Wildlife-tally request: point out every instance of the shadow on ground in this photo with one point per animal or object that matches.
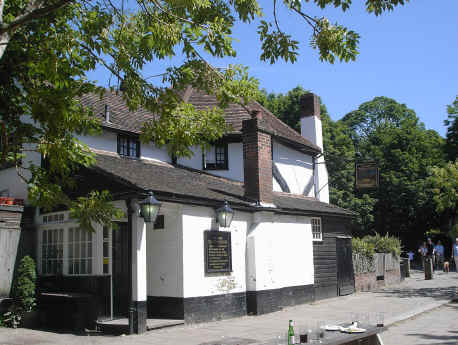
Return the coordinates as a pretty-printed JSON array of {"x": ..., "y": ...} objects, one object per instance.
[
  {"x": 449, "y": 339},
  {"x": 436, "y": 293}
]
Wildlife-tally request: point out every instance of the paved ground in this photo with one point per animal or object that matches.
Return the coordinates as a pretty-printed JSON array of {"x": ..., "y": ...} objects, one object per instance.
[
  {"x": 438, "y": 326},
  {"x": 413, "y": 296}
]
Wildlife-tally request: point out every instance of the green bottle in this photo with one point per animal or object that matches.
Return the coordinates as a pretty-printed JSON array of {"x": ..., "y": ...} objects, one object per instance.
[{"x": 291, "y": 340}]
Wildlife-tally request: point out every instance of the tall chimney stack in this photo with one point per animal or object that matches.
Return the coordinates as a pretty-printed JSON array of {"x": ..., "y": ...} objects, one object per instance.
[
  {"x": 310, "y": 119},
  {"x": 257, "y": 159},
  {"x": 311, "y": 129}
]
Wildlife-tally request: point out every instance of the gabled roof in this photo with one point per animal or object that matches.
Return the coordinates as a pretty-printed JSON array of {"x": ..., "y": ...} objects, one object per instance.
[
  {"x": 124, "y": 120},
  {"x": 178, "y": 184}
]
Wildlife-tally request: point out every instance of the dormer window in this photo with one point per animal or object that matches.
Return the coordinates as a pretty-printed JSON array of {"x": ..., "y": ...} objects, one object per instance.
[
  {"x": 128, "y": 146},
  {"x": 216, "y": 157}
]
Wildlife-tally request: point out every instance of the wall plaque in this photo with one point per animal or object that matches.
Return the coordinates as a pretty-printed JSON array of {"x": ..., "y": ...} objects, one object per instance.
[{"x": 218, "y": 254}]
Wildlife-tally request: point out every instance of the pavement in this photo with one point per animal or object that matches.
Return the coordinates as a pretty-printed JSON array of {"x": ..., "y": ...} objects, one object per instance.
[
  {"x": 414, "y": 296},
  {"x": 418, "y": 330}
]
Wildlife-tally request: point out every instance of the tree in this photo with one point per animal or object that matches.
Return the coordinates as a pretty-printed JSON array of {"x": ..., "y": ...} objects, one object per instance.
[
  {"x": 443, "y": 184},
  {"x": 451, "y": 146},
  {"x": 390, "y": 134},
  {"x": 48, "y": 46},
  {"x": 339, "y": 154},
  {"x": 285, "y": 107}
]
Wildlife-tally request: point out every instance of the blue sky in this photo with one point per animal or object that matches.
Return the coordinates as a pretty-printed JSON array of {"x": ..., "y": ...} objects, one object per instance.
[{"x": 410, "y": 54}]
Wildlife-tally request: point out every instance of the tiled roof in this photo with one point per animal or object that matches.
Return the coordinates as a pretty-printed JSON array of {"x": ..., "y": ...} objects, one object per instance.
[
  {"x": 189, "y": 185},
  {"x": 120, "y": 116},
  {"x": 123, "y": 119}
]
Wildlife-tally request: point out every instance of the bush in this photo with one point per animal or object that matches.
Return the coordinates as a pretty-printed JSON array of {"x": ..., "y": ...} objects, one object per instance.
[
  {"x": 362, "y": 247},
  {"x": 384, "y": 244},
  {"x": 23, "y": 293},
  {"x": 368, "y": 245}
]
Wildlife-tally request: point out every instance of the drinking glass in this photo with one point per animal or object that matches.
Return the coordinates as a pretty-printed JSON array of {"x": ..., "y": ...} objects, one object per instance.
[
  {"x": 379, "y": 319},
  {"x": 305, "y": 334},
  {"x": 321, "y": 329},
  {"x": 281, "y": 338}
]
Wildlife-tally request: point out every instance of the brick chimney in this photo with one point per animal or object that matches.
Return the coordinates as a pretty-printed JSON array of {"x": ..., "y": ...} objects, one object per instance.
[
  {"x": 257, "y": 158},
  {"x": 310, "y": 119}
]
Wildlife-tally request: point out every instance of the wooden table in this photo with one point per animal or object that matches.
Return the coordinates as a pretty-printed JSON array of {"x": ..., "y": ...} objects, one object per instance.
[{"x": 370, "y": 337}]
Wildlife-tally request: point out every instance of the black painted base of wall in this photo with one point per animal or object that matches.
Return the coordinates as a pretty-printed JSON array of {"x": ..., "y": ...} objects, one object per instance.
[
  {"x": 165, "y": 307},
  {"x": 325, "y": 291},
  {"x": 198, "y": 309},
  {"x": 267, "y": 301},
  {"x": 138, "y": 314}
]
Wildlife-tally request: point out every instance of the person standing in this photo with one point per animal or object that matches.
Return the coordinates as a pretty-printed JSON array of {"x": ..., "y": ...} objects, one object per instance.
[
  {"x": 439, "y": 254},
  {"x": 430, "y": 251},
  {"x": 455, "y": 253},
  {"x": 422, "y": 251}
]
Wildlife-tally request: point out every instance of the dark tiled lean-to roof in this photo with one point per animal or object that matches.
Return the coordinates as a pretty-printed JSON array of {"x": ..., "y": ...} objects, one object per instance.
[{"x": 169, "y": 181}]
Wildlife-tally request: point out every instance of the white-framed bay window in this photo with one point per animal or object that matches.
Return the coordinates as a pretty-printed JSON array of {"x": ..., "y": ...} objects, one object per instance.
[
  {"x": 317, "y": 231},
  {"x": 64, "y": 248},
  {"x": 79, "y": 254}
]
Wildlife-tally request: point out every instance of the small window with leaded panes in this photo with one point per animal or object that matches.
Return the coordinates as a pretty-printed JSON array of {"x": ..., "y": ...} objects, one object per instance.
[
  {"x": 79, "y": 251},
  {"x": 216, "y": 157},
  {"x": 128, "y": 146},
  {"x": 52, "y": 251},
  {"x": 317, "y": 233}
]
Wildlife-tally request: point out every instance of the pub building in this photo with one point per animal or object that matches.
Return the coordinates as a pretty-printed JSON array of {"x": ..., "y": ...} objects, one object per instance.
[{"x": 244, "y": 228}]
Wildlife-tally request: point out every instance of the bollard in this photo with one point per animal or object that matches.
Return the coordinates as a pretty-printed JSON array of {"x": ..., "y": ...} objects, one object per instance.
[{"x": 428, "y": 268}]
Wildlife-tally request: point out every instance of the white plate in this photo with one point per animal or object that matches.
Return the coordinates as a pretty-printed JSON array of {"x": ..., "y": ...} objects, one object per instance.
[
  {"x": 332, "y": 328},
  {"x": 353, "y": 330}
]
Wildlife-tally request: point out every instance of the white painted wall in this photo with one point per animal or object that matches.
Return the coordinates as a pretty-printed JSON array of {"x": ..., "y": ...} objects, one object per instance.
[
  {"x": 279, "y": 252},
  {"x": 195, "y": 161},
  {"x": 322, "y": 180},
  {"x": 235, "y": 158},
  {"x": 295, "y": 167},
  {"x": 311, "y": 129},
  {"x": 139, "y": 257},
  {"x": 196, "y": 220},
  {"x": 165, "y": 254},
  {"x": 107, "y": 141},
  {"x": 235, "y": 172},
  {"x": 152, "y": 152}
]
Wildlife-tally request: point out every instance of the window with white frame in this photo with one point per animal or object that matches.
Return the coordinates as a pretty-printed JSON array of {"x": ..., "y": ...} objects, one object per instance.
[
  {"x": 64, "y": 247},
  {"x": 317, "y": 233},
  {"x": 79, "y": 251},
  {"x": 52, "y": 251}
]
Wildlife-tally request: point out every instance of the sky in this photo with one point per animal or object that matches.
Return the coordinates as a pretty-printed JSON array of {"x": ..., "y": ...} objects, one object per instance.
[{"x": 410, "y": 55}]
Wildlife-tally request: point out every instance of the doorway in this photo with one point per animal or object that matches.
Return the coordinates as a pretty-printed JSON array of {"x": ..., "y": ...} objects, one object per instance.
[
  {"x": 345, "y": 274},
  {"x": 120, "y": 268}
]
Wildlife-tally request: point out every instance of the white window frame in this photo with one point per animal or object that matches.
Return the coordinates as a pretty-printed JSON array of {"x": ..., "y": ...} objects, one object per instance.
[
  {"x": 316, "y": 224},
  {"x": 64, "y": 222}
]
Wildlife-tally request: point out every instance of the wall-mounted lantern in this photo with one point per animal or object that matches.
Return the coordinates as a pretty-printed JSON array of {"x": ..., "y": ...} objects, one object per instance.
[
  {"x": 224, "y": 215},
  {"x": 149, "y": 208}
]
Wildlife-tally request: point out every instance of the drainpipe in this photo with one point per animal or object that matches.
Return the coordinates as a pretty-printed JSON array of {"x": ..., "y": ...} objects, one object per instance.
[{"x": 315, "y": 187}]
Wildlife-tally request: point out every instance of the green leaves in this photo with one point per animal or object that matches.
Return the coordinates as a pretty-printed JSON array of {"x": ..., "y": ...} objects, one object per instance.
[
  {"x": 334, "y": 41},
  {"x": 44, "y": 65},
  {"x": 276, "y": 44},
  {"x": 94, "y": 208},
  {"x": 451, "y": 122}
]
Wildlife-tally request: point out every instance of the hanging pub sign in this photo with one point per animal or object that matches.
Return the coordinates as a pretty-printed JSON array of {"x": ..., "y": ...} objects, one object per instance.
[
  {"x": 367, "y": 176},
  {"x": 218, "y": 255}
]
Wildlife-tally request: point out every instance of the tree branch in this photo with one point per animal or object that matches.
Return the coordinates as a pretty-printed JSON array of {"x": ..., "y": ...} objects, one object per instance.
[{"x": 33, "y": 11}]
